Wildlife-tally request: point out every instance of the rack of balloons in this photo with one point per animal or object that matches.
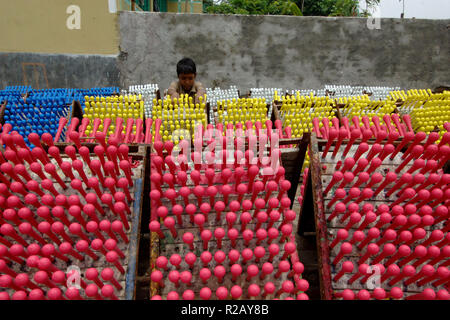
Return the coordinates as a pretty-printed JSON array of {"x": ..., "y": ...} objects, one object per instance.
[
  {"x": 39, "y": 110},
  {"x": 75, "y": 164}
]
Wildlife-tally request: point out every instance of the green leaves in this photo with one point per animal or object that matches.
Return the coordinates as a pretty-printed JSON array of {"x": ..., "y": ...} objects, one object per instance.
[
  {"x": 290, "y": 7},
  {"x": 284, "y": 8},
  {"x": 345, "y": 8},
  {"x": 334, "y": 7},
  {"x": 254, "y": 7}
]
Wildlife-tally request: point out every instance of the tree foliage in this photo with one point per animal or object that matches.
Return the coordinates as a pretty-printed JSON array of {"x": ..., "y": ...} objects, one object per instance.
[
  {"x": 335, "y": 7},
  {"x": 289, "y": 7},
  {"x": 259, "y": 7}
]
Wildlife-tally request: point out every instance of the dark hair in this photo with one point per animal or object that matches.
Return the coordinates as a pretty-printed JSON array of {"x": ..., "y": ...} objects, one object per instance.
[{"x": 186, "y": 66}]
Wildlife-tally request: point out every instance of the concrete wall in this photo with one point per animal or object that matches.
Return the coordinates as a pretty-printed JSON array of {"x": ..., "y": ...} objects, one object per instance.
[
  {"x": 247, "y": 51},
  {"x": 58, "y": 71},
  {"x": 37, "y": 48},
  {"x": 288, "y": 52},
  {"x": 40, "y": 26}
]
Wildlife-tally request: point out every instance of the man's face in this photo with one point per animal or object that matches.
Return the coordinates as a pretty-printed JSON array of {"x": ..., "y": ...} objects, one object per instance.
[{"x": 187, "y": 80}]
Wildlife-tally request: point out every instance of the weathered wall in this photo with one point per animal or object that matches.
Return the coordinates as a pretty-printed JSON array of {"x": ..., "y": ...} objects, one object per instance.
[
  {"x": 37, "y": 48},
  {"x": 41, "y": 27},
  {"x": 248, "y": 51},
  {"x": 58, "y": 71},
  {"x": 288, "y": 52}
]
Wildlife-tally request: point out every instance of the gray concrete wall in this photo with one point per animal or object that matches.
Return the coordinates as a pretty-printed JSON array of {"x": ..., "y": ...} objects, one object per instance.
[
  {"x": 250, "y": 51},
  {"x": 58, "y": 70},
  {"x": 288, "y": 52}
]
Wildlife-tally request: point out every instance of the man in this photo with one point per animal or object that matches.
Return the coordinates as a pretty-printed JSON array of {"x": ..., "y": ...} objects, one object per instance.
[{"x": 186, "y": 84}]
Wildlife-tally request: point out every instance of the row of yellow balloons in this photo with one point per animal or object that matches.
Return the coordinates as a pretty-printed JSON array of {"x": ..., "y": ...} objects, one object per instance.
[
  {"x": 125, "y": 107},
  {"x": 180, "y": 116}
]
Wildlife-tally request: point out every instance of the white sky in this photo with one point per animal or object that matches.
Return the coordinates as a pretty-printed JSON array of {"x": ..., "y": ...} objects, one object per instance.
[{"x": 420, "y": 9}]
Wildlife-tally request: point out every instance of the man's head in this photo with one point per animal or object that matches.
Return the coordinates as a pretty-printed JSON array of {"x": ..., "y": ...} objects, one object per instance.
[{"x": 187, "y": 72}]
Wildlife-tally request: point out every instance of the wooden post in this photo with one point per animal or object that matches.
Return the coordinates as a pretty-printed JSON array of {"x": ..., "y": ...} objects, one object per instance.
[
  {"x": 298, "y": 164},
  {"x": 321, "y": 223},
  {"x": 133, "y": 5},
  {"x": 2, "y": 112},
  {"x": 208, "y": 110},
  {"x": 306, "y": 222}
]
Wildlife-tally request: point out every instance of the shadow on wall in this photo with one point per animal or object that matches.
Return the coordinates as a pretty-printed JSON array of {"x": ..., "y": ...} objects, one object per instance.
[
  {"x": 35, "y": 75},
  {"x": 58, "y": 71}
]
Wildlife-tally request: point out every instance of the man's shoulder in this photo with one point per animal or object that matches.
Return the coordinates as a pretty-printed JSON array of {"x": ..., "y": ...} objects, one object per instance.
[{"x": 174, "y": 84}]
